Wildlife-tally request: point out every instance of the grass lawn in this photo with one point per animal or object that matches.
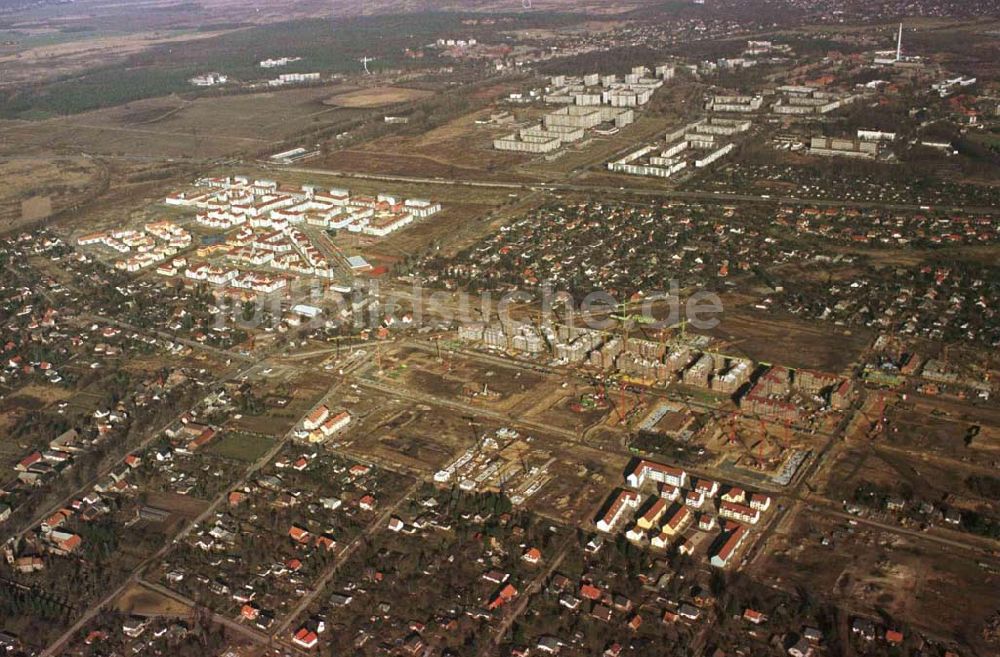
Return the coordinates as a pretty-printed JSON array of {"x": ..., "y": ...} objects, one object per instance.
[{"x": 239, "y": 446}]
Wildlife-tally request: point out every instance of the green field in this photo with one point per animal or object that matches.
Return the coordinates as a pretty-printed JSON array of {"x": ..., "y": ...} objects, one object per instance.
[{"x": 239, "y": 446}]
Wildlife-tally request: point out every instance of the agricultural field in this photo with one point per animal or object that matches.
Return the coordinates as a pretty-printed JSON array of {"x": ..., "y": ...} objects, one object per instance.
[
  {"x": 36, "y": 54},
  {"x": 574, "y": 405},
  {"x": 421, "y": 414},
  {"x": 36, "y": 187},
  {"x": 945, "y": 428},
  {"x": 182, "y": 508},
  {"x": 301, "y": 390},
  {"x": 582, "y": 478},
  {"x": 870, "y": 477},
  {"x": 144, "y": 65},
  {"x": 458, "y": 224}
]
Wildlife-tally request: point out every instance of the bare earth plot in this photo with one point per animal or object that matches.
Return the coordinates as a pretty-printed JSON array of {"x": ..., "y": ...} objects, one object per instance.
[
  {"x": 35, "y": 187},
  {"x": 61, "y": 58},
  {"x": 377, "y": 97},
  {"x": 141, "y": 601},
  {"x": 792, "y": 342},
  {"x": 868, "y": 570},
  {"x": 461, "y": 149}
]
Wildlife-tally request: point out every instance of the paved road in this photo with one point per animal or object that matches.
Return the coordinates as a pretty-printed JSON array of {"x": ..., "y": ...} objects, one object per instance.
[
  {"x": 377, "y": 525},
  {"x": 321, "y": 240},
  {"x": 347, "y": 347},
  {"x": 525, "y": 597},
  {"x": 81, "y": 622},
  {"x": 828, "y": 508},
  {"x": 248, "y": 632},
  {"x": 94, "y": 609},
  {"x": 151, "y": 434},
  {"x": 791, "y": 493},
  {"x": 678, "y": 194},
  {"x": 170, "y": 337}
]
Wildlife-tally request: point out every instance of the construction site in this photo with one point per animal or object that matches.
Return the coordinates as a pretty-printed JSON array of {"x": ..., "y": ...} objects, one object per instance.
[
  {"x": 499, "y": 463},
  {"x": 678, "y": 394},
  {"x": 763, "y": 451}
]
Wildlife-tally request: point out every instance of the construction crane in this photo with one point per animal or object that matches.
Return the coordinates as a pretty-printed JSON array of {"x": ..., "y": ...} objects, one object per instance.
[
  {"x": 767, "y": 434},
  {"x": 736, "y": 439},
  {"x": 683, "y": 327},
  {"x": 662, "y": 349},
  {"x": 608, "y": 396},
  {"x": 621, "y": 408},
  {"x": 729, "y": 357}
]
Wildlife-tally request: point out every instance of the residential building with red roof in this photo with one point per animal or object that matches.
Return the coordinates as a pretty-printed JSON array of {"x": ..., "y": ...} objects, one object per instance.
[
  {"x": 656, "y": 472},
  {"x": 624, "y": 501},
  {"x": 305, "y": 638}
]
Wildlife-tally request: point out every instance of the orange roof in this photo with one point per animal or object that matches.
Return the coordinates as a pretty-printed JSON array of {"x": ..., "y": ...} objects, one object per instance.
[
  {"x": 95, "y": 635},
  {"x": 680, "y": 516},
  {"x": 203, "y": 438},
  {"x": 305, "y": 637},
  {"x": 71, "y": 543},
  {"x": 731, "y": 543},
  {"x": 57, "y": 518},
  {"x": 318, "y": 414}
]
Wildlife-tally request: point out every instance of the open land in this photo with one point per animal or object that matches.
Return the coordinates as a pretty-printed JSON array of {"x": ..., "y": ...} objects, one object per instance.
[{"x": 258, "y": 396}]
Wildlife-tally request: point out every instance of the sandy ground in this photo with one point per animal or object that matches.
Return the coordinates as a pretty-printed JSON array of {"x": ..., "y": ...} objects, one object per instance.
[{"x": 377, "y": 97}]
